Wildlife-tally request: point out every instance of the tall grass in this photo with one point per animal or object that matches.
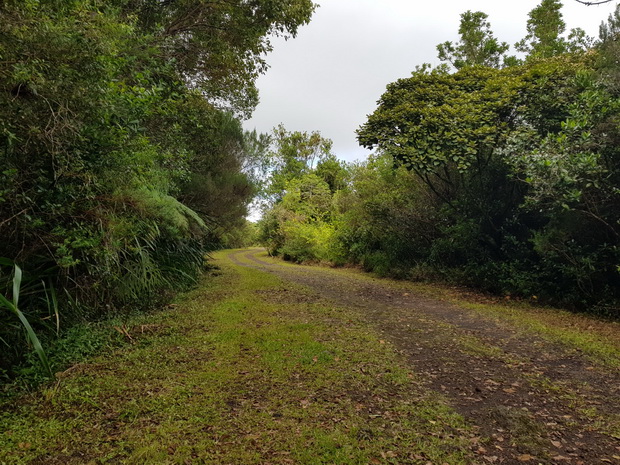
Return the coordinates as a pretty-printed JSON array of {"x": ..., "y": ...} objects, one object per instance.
[{"x": 13, "y": 307}]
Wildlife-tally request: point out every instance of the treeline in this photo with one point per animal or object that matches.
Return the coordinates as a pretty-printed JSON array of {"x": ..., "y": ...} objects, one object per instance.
[
  {"x": 122, "y": 155},
  {"x": 492, "y": 170}
]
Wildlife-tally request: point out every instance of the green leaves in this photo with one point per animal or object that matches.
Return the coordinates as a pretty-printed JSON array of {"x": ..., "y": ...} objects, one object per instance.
[
  {"x": 122, "y": 151},
  {"x": 13, "y": 307},
  {"x": 477, "y": 46},
  {"x": 294, "y": 155},
  {"x": 220, "y": 46},
  {"x": 434, "y": 121}
]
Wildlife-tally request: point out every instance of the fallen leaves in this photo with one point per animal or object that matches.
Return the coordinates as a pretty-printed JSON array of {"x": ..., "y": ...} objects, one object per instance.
[{"x": 525, "y": 458}]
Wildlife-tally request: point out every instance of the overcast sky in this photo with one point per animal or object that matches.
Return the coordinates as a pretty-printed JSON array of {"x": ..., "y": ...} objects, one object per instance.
[{"x": 331, "y": 75}]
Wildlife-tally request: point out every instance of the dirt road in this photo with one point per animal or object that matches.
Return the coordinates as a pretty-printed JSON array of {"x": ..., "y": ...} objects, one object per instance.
[{"x": 534, "y": 400}]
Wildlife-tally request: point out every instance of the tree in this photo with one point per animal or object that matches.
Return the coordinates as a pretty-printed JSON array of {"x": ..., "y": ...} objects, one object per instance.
[
  {"x": 545, "y": 27},
  {"x": 609, "y": 50},
  {"x": 451, "y": 130},
  {"x": 294, "y": 154},
  {"x": 477, "y": 45},
  {"x": 298, "y": 217},
  {"x": 120, "y": 135},
  {"x": 448, "y": 127},
  {"x": 219, "y": 47},
  {"x": 333, "y": 171},
  {"x": 572, "y": 178}
]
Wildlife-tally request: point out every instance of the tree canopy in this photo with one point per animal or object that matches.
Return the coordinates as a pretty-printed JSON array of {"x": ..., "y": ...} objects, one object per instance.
[{"x": 500, "y": 173}]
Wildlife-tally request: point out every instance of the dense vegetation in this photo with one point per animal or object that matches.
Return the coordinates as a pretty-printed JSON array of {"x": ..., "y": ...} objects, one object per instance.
[
  {"x": 499, "y": 171},
  {"x": 123, "y": 161},
  {"x": 122, "y": 155}
]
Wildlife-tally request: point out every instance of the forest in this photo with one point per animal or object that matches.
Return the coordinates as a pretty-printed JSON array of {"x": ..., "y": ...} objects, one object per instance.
[
  {"x": 124, "y": 161},
  {"x": 493, "y": 170}
]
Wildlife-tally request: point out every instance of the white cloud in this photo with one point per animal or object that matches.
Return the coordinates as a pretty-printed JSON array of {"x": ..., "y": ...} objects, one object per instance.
[{"x": 330, "y": 77}]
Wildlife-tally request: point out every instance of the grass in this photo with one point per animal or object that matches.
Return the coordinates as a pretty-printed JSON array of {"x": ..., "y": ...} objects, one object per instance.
[
  {"x": 597, "y": 338},
  {"x": 241, "y": 370},
  {"x": 13, "y": 307}
]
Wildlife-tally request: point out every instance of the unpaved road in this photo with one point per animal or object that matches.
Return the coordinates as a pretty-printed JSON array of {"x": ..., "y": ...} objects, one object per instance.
[{"x": 532, "y": 400}]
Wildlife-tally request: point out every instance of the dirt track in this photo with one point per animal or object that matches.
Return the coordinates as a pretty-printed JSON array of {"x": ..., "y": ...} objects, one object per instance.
[{"x": 533, "y": 401}]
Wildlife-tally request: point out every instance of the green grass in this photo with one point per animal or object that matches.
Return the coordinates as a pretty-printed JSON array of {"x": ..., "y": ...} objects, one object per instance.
[
  {"x": 238, "y": 372},
  {"x": 593, "y": 337},
  {"x": 597, "y": 338}
]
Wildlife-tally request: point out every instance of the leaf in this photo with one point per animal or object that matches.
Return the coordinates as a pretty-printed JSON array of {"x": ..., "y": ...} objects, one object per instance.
[
  {"x": 12, "y": 306},
  {"x": 17, "y": 282}
]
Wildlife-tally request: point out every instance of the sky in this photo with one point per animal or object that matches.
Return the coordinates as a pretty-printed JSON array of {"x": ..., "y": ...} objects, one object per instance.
[{"x": 331, "y": 75}]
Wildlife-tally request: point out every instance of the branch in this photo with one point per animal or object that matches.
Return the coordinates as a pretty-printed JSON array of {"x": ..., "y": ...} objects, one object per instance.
[
  {"x": 14, "y": 216},
  {"x": 593, "y": 3}
]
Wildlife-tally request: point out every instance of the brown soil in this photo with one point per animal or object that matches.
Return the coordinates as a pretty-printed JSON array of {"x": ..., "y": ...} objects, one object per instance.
[{"x": 532, "y": 400}]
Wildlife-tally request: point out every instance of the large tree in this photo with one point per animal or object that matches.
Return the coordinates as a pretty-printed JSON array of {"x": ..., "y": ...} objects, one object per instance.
[
  {"x": 219, "y": 46},
  {"x": 119, "y": 120}
]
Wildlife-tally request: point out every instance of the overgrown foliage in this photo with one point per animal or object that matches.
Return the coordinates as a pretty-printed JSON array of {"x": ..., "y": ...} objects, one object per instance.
[
  {"x": 504, "y": 179},
  {"x": 122, "y": 156}
]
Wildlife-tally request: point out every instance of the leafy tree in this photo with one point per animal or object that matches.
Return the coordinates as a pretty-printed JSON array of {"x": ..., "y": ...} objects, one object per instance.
[
  {"x": 456, "y": 132},
  {"x": 333, "y": 171},
  {"x": 299, "y": 226},
  {"x": 477, "y": 46},
  {"x": 219, "y": 46},
  {"x": 504, "y": 179},
  {"x": 386, "y": 220},
  {"x": 609, "y": 50},
  {"x": 545, "y": 27},
  {"x": 447, "y": 126},
  {"x": 294, "y": 154},
  {"x": 298, "y": 223},
  {"x": 572, "y": 178}
]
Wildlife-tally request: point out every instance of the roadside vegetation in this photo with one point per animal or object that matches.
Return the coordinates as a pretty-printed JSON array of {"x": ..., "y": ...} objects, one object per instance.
[
  {"x": 589, "y": 335},
  {"x": 493, "y": 171},
  {"x": 122, "y": 155},
  {"x": 124, "y": 168}
]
